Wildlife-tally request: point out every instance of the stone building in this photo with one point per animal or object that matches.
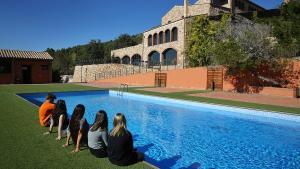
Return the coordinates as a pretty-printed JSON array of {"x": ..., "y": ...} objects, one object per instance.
[{"x": 165, "y": 44}]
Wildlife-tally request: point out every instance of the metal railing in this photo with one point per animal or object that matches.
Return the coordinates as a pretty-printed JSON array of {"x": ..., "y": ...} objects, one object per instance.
[
  {"x": 122, "y": 89},
  {"x": 143, "y": 67}
]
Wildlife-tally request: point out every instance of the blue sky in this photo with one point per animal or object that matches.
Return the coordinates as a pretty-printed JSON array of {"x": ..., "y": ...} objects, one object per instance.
[{"x": 39, "y": 24}]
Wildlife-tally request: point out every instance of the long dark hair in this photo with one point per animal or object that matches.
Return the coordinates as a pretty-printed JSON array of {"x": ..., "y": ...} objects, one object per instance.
[
  {"x": 74, "y": 125},
  {"x": 101, "y": 121},
  {"x": 60, "y": 109}
]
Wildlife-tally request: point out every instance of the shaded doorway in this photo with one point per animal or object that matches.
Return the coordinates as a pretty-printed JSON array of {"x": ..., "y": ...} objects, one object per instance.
[
  {"x": 154, "y": 59},
  {"x": 26, "y": 74},
  {"x": 170, "y": 57}
]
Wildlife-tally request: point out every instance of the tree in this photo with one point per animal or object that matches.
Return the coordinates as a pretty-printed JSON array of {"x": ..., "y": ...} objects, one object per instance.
[
  {"x": 93, "y": 52},
  {"x": 286, "y": 29},
  {"x": 126, "y": 40},
  {"x": 245, "y": 48}
]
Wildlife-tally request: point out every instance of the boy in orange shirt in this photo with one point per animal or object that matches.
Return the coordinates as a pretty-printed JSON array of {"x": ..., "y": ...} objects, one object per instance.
[{"x": 46, "y": 110}]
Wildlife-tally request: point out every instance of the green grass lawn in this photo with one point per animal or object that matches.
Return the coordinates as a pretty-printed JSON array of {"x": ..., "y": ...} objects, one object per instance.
[{"x": 22, "y": 144}]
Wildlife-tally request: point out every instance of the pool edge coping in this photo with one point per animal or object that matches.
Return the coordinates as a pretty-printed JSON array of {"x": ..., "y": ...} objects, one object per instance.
[
  {"x": 175, "y": 99},
  {"x": 270, "y": 112},
  {"x": 145, "y": 162}
]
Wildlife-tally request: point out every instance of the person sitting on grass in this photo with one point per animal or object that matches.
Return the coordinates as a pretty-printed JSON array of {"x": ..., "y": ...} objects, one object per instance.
[
  {"x": 78, "y": 128},
  {"x": 60, "y": 119},
  {"x": 98, "y": 134},
  {"x": 120, "y": 144},
  {"x": 46, "y": 110}
]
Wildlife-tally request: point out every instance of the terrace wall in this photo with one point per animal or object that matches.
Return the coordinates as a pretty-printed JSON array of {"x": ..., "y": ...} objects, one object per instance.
[{"x": 192, "y": 78}]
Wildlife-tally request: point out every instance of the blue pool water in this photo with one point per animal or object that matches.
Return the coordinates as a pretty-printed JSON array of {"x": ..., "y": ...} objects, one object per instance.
[{"x": 186, "y": 135}]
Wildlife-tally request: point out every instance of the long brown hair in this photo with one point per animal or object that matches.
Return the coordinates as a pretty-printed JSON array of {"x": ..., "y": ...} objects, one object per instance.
[
  {"x": 60, "y": 109},
  {"x": 119, "y": 125},
  {"x": 74, "y": 125},
  {"x": 101, "y": 121}
]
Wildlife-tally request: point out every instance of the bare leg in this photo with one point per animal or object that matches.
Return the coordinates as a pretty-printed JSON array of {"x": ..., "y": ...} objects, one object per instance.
[
  {"x": 51, "y": 126},
  {"x": 59, "y": 128},
  {"x": 68, "y": 139}
]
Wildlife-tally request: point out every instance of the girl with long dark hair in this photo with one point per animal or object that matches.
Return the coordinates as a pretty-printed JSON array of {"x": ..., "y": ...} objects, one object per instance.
[
  {"x": 59, "y": 118},
  {"x": 78, "y": 128},
  {"x": 98, "y": 134}
]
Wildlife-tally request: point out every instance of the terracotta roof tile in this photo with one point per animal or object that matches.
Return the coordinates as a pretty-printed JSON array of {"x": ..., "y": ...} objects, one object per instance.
[{"x": 24, "y": 54}]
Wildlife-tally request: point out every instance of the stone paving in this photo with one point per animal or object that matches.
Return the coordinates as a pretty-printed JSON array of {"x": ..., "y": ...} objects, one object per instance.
[
  {"x": 165, "y": 90},
  {"x": 253, "y": 98}
]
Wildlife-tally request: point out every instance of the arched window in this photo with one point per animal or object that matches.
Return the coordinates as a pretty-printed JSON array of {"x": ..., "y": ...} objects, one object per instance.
[
  {"x": 167, "y": 36},
  {"x": 126, "y": 60},
  {"x": 154, "y": 58},
  {"x": 150, "y": 40},
  {"x": 155, "y": 39},
  {"x": 136, "y": 59},
  {"x": 174, "y": 34},
  {"x": 170, "y": 57},
  {"x": 117, "y": 60},
  {"x": 161, "y": 37}
]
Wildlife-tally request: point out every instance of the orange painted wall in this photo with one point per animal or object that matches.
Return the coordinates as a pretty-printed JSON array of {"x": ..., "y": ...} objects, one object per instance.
[
  {"x": 273, "y": 91},
  {"x": 193, "y": 78},
  {"x": 297, "y": 69}
]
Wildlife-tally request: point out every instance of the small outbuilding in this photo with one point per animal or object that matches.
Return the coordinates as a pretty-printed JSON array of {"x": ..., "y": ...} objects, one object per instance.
[{"x": 25, "y": 67}]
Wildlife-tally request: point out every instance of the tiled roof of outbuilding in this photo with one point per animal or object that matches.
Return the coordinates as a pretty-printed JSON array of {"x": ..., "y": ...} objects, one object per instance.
[{"x": 24, "y": 54}]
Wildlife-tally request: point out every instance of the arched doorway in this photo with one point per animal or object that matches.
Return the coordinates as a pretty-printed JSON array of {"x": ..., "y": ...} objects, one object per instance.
[
  {"x": 161, "y": 37},
  {"x": 153, "y": 58},
  {"x": 167, "y": 36},
  {"x": 155, "y": 39},
  {"x": 126, "y": 60},
  {"x": 117, "y": 60},
  {"x": 174, "y": 34},
  {"x": 150, "y": 40},
  {"x": 170, "y": 57},
  {"x": 136, "y": 59}
]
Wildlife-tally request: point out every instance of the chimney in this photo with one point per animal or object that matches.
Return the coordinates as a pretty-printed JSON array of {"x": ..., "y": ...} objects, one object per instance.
[{"x": 186, "y": 8}]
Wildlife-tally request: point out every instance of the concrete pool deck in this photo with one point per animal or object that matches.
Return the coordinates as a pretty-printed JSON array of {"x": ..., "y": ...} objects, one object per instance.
[
  {"x": 252, "y": 98},
  {"x": 249, "y": 98}
]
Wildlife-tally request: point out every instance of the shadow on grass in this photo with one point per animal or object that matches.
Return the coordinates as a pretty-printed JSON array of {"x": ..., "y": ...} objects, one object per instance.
[{"x": 166, "y": 163}]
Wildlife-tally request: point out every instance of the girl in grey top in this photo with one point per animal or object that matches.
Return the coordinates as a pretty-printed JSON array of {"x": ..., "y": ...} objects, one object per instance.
[{"x": 97, "y": 135}]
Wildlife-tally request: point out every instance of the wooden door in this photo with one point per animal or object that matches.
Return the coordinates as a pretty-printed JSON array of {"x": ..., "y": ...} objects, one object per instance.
[
  {"x": 215, "y": 78},
  {"x": 160, "y": 79}
]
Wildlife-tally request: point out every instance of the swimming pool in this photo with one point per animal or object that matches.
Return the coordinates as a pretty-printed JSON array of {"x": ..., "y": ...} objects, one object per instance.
[{"x": 182, "y": 134}]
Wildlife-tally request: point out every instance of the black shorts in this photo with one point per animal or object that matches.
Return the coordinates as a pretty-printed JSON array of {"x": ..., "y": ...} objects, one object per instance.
[{"x": 99, "y": 153}]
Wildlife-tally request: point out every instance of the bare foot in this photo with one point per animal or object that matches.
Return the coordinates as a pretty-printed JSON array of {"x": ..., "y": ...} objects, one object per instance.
[
  {"x": 75, "y": 151},
  {"x": 65, "y": 145},
  {"x": 46, "y": 133},
  {"x": 58, "y": 138}
]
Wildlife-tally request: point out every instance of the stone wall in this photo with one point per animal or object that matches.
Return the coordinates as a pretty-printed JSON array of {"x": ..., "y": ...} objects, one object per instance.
[
  {"x": 129, "y": 51},
  {"x": 88, "y": 73},
  {"x": 175, "y": 14},
  {"x": 160, "y": 48},
  {"x": 196, "y": 9}
]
